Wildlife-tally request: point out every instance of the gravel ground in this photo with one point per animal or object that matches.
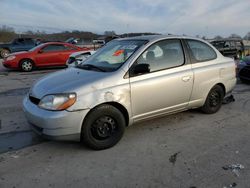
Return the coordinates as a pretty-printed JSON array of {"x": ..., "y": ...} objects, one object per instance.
[{"x": 188, "y": 149}]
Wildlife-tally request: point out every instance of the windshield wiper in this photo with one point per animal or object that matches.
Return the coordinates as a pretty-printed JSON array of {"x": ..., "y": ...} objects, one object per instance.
[{"x": 89, "y": 67}]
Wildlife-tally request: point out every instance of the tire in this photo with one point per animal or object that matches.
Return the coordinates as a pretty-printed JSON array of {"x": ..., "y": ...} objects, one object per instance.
[
  {"x": 103, "y": 127},
  {"x": 4, "y": 52},
  {"x": 214, "y": 100},
  {"x": 26, "y": 65}
]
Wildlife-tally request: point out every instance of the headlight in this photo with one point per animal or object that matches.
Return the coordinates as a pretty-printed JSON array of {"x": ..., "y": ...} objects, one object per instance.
[
  {"x": 10, "y": 58},
  {"x": 57, "y": 102}
]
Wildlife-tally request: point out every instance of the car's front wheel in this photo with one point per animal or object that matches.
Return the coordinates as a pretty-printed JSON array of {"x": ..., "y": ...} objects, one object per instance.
[
  {"x": 214, "y": 100},
  {"x": 26, "y": 65},
  {"x": 103, "y": 127},
  {"x": 4, "y": 52}
]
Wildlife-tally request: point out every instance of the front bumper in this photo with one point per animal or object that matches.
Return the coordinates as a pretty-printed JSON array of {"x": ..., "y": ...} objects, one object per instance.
[
  {"x": 54, "y": 125},
  {"x": 10, "y": 64}
]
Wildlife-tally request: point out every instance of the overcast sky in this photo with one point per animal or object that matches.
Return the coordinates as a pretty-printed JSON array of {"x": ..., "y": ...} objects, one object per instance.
[{"x": 191, "y": 17}]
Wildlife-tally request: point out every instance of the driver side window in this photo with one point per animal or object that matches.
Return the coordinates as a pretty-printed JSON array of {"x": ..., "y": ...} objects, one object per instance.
[{"x": 163, "y": 55}]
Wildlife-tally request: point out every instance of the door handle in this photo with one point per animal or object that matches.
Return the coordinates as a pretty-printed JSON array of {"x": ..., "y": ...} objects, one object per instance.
[{"x": 186, "y": 78}]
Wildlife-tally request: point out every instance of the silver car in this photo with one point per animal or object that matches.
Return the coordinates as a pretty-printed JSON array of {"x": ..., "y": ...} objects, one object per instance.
[{"x": 127, "y": 81}]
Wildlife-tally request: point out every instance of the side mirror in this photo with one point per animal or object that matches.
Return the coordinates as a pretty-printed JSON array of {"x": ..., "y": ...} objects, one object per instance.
[
  {"x": 140, "y": 69},
  {"x": 40, "y": 51}
]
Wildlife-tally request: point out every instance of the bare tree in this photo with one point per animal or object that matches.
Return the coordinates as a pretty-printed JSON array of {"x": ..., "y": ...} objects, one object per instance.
[
  {"x": 247, "y": 36},
  {"x": 235, "y": 36},
  {"x": 7, "y": 33},
  {"x": 109, "y": 33},
  {"x": 218, "y": 37}
]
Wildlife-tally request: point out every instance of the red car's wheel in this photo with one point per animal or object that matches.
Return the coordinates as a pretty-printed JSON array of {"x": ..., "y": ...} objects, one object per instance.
[{"x": 26, "y": 65}]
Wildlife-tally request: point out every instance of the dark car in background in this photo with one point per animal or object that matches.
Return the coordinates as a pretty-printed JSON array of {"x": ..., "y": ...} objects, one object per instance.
[
  {"x": 244, "y": 69},
  {"x": 17, "y": 45},
  {"x": 230, "y": 47}
]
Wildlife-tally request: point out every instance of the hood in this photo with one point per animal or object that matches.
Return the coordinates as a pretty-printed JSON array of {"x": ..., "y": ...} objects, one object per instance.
[
  {"x": 82, "y": 52},
  {"x": 5, "y": 45},
  {"x": 20, "y": 53},
  {"x": 77, "y": 53},
  {"x": 67, "y": 80}
]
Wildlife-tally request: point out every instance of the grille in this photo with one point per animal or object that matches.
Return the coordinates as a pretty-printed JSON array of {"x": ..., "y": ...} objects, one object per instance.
[{"x": 34, "y": 100}]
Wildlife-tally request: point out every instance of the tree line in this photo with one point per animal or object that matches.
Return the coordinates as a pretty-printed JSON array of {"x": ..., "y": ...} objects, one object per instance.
[{"x": 8, "y": 33}]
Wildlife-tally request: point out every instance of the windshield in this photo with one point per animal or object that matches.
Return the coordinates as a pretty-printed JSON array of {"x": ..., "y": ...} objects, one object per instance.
[
  {"x": 36, "y": 47},
  {"x": 112, "y": 56}
]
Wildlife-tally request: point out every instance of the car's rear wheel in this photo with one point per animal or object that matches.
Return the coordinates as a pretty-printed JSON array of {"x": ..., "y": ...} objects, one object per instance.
[
  {"x": 103, "y": 127},
  {"x": 214, "y": 100},
  {"x": 4, "y": 52},
  {"x": 26, "y": 65}
]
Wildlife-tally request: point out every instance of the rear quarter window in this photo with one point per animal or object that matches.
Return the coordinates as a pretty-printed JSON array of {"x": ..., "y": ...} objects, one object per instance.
[{"x": 201, "y": 51}]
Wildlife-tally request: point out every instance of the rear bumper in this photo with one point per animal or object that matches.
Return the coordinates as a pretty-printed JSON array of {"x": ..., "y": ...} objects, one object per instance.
[
  {"x": 54, "y": 125},
  {"x": 230, "y": 85}
]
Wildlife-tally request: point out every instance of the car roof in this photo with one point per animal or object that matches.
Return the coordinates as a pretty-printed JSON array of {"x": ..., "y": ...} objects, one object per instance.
[
  {"x": 158, "y": 37},
  {"x": 224, "y": 40},
  {"x": 57, "y": 43}
]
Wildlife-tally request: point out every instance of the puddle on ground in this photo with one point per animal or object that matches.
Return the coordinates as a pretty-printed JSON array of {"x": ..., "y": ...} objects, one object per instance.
[{"x": 17, "y": 140}]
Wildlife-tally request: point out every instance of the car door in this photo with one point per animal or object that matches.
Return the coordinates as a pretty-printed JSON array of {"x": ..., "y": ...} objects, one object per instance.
[
  {"x": 207, "y": 70},
  {"x": 50, "y": 55},
  {"x": 168, "y": 85}
]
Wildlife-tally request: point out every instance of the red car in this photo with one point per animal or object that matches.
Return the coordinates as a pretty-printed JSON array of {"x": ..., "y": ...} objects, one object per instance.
[{"x": 45, "y": 55}]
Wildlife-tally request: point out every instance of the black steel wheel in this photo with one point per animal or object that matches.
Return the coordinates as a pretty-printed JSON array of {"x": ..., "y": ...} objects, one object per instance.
[
  {"x": 214, "y": 100},
  {"x": 103, "y": 127}
]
